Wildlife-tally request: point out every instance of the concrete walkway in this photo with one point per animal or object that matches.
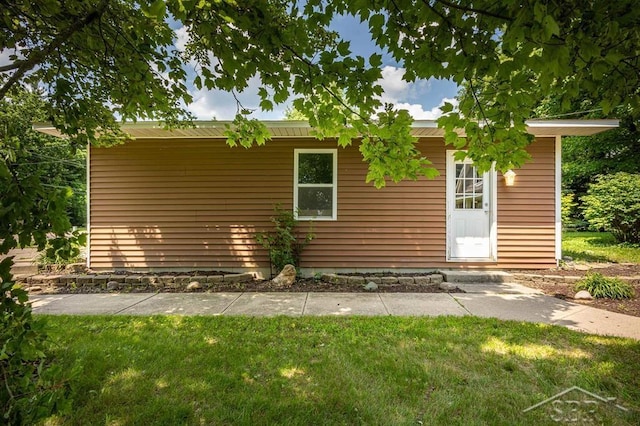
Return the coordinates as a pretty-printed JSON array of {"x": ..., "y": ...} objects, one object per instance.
[{"x": 497, "y": 300}]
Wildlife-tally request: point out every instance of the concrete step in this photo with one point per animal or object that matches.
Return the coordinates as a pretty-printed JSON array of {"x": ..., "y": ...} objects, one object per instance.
[
  {"x": 23, "y": 268},
  {"x": 470, "y": 277}
]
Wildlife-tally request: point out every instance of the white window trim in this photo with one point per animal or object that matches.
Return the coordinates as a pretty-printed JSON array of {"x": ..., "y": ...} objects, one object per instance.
[{"x": 334, "y": 185}]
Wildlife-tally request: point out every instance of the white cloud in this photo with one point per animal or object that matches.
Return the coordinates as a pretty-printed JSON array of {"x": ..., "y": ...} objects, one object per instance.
[
  {"x": 418, "y": 112},
  {"x": 182, "y": 38},
  {"x": 403, "y": 94},
  {"x": 416, "y": 97}
]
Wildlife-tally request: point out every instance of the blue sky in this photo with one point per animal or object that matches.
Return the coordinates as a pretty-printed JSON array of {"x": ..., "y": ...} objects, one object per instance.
[{"x": 421, "y": 98}]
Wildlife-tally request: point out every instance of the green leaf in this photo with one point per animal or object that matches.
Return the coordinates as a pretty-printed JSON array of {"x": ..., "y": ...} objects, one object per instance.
[{"x": 550, "y": 26}]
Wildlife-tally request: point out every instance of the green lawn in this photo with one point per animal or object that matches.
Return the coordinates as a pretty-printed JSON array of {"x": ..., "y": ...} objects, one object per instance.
[
  {"x": 598, "y": 247},
  {"x": 168, "y": 370}
]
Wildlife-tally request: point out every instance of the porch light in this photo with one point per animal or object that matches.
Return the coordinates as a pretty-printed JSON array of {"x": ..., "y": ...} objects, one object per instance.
[{"x": 509, "y": 177}]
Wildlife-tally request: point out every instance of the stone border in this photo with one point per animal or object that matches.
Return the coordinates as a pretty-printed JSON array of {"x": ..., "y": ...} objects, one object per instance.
[
  {"x": 400, "y": 279},
  {"x": 132, "y": 282},
  {"x": 57, "y": 283},
  {"x": 555, "y": 279}
]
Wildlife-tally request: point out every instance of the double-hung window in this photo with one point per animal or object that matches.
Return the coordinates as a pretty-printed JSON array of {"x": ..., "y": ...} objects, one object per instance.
[{"x": 315, "y": 186}]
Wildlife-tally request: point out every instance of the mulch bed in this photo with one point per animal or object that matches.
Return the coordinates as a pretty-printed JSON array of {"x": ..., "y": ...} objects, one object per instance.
[
  {"x": 565, "y": 290},
  {"x": 313, "y": 285}
]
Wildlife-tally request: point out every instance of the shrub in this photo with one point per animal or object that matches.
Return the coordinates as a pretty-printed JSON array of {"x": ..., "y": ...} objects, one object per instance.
[
  {"x": 602, "y": 287},
  {"x": 613, "y": 204},
  {"x": 63, "y": 250},
  {"x": 31, "y": 386},
  {"x": 284, "y": 244}
]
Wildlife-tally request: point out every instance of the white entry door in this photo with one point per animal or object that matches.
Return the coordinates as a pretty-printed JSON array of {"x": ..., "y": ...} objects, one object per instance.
[{"x": 470, "y": 212}]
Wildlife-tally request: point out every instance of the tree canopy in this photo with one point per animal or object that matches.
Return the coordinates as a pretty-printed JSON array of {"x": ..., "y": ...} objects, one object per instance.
[{"x": 97, "y": 59}]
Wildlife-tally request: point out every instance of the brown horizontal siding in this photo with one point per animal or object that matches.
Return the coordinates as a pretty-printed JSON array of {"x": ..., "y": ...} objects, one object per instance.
[
  {"x": 198, "y": 204},
  {"x": 526, "y": 211}
]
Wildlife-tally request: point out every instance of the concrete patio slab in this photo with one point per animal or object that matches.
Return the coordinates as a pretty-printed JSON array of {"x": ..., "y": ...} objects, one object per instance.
[
  {"x": 598, "y": 321},
  {"x": 496, "y": 288},
  {"x": 183, "y": 304},
  {"x": 77, "y": 304},
  {"x": 344, "y": 304},
  {"x": 519, "y": 307},
  {"x": 422, "y": 304},
  {"x": 267, "y": 304}
]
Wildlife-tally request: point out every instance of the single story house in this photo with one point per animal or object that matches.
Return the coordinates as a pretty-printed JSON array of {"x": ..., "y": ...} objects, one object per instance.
[{"x": 184, "y": 200}]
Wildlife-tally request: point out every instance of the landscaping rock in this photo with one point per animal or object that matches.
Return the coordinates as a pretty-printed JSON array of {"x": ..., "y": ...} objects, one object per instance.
[
  {"x": 356, "y": 280},
  {"x": 182, "y": 279},
  {"x": 149, "y": 280},
  {"x": 406, "y": 280},
  {"x": 238, "y": 278},
  {"x": 447, "y": 286},
  {"x": 133, "y": 279},
  {"x": 583, "y": 295},
  {"x": 334, "y": 279},
  {"x": 371, "y": 286},
  {"x": 116, "y": 278},
  {"x": 286, "y": 277},
  {"x": 84, "y": 280},
  {"x": 436, "y": 278},
  {"x": 376, "y": 280},
  {"x": 215, "y": 279},
  {"x": 113, "y": 285},
  {"x": 100, "y": 280},
  {"x": 35, "y": 289},
  {"x": 76, "y": 268},
  {"x": 422, "y": 280},
  {"x": 193, "y": 286},
  {"x": 389, "y": 280}
]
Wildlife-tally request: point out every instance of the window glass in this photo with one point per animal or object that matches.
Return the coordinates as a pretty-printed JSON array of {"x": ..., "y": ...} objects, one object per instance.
[
  {"x": 315, "y": 184},
  {"x": 315, "y": 168},
  {"x": 315, "y": 202},
  {"x": 469, "y": 187}
]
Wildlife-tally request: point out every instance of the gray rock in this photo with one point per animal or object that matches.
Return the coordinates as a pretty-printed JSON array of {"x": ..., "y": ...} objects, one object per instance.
[
  {"x": 35, "y": 289},
  {"x": 113, "y": 285},
  {"x": 389, "y": 280},
  {"x": 76, "y": 268},
  {"x": 583, "y": 295},
  {"x": 334, "y": 279},
  {"x": 374, "y": 279},
  {"x": 567, "y": 258},
  {"x": 406, "y": 280},
  {"x": 356, "y": 280},
  {"x": 422, "y": 280},
  {"x": 371, "y": 286},
  {"x": 436, "y": 278},
  {"x": 238, "y": 278},
  {"x": 193, "y": 286},
  {"x": 447, "y": 286}
]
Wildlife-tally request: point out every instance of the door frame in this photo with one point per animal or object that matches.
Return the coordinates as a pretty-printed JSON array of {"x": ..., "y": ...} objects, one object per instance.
[{"x": 493, "y": 211}]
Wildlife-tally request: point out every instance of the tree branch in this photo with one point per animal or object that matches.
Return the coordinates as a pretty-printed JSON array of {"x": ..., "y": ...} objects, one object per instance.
[{"x": 36, "y": 57}]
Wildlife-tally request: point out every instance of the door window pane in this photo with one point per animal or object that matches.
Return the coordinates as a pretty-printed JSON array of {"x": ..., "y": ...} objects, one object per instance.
[{"x": 468, "y": 188}]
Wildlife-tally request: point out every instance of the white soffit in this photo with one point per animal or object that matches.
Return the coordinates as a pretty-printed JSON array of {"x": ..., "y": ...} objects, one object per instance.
[{"x": 301, "y": 129}]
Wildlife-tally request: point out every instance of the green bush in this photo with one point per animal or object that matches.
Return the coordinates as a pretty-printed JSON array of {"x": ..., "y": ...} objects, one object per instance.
[
  {"x": 63, "y": 250},
  {"x": 284, "y": 244},
  {"x": 613, "y": 204},
  {"x": 31, "y": 386},
  {"x": 602, "y": 287}
]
